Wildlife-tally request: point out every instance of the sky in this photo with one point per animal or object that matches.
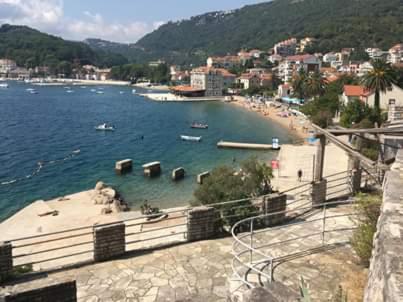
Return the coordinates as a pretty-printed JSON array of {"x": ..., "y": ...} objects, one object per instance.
[{"x": 119, "y": 20}]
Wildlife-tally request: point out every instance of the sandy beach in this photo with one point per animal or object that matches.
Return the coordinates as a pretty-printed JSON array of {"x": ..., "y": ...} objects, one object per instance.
[{"x": 297, "y": 125}]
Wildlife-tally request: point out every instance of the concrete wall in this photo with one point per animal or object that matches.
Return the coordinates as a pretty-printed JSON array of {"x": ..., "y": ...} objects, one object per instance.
[
  {"x": 62, "y": 292},
  {"x": 385, "y": 282},
  {"x": 109, "y": 241},
  {"x": 6, "y": 261},
  {"x": 201, "y": 223}
]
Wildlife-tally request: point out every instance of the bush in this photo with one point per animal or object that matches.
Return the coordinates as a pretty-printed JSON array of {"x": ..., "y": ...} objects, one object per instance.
[{"x": 368, "y": 208}]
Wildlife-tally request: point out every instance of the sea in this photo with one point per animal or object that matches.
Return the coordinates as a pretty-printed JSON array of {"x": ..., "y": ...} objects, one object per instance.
[{"x": 49, "y": 146}]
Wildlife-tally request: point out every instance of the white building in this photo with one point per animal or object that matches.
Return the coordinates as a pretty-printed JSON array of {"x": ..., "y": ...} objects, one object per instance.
[
  {"x": 393, "y": 96},
  {"x": 330, "y": 57},
  {"x": 364, "y": 68},
  {"x": 396, "y": 54},
  {"x": 304, "y": 43},
  {"x": 292, "y": 64},
  {"x": 208, "y": 79},
  {"x": 286, "y": 48},
  {"x": 7, "y": 65},
  {"x": 375, "y": 53}
]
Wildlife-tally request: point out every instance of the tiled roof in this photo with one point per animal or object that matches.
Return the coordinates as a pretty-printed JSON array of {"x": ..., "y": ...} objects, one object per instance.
[
  {"x": 356, "y": 90},
  {"x": 300, "y": 57}
]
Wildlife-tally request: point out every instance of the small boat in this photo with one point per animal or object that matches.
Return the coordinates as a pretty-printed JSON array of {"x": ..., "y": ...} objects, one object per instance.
[
  {"x": 3, "y": 85},
  {"x": 93, "y": 90},
  {"x": 191, "y": 138},
  {"x": 105, "y": 127},
  {"x": 29, "y": 89},
  {"x": 121, "y": 92},
  {"x": 69, "y": 91},
  {"x": 134, "y": 91},
  {"x": 100, "y": 92},
  {"x": 199, "y": 126}
]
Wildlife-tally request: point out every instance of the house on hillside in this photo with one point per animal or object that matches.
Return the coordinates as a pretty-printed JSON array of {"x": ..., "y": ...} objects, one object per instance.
[
  {"x": 393, "y": 96},
  {"x": 224, "y": 62},
  {"x": 286, "y": 48},
  {"x": 249, "y": 80},
  {"x": 292, "y": 64},
  {"x": 6, "y": 66},
  {"x": 396, "y": 54}
]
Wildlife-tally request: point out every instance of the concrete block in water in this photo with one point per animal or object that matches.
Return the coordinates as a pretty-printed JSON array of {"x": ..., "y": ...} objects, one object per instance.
[
  {"x": 152, "y": 169},
  {"x": 178, "y": 174},
  {"x": 201, "y": 177},
  {"x": 124, "y": 166}
]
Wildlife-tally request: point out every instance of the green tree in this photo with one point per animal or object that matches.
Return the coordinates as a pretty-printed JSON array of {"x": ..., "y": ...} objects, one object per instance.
[
  {"x": 354, "y": 113},
  {"x": 315, "y": 84},
  {"x": 378, "y": 80},
  {"x": 299, "y": 84}
]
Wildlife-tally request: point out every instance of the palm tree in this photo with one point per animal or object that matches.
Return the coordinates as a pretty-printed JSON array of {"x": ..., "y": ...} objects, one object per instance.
[
  {"x": 378, "y": 80},
  {"x": 298, "y": 84},
  {"x": 315, "y": 84}
]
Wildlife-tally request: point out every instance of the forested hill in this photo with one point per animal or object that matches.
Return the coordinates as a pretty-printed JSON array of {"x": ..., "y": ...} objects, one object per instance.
[
  {"x": 31, "y": 48},
  {"x": 336, "y": 23}
]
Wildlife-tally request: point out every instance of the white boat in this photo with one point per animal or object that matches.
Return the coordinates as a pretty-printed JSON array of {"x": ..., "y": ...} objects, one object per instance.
[
  {"x": 3, "y": 85},
  {"x": 100, "y": 92},
  {"x": 134, "y": 91},
  {"x": 93, "y": 90},
  {"x": 69, "y": 91},
  {"x": 105, "y": 127},
  {"x": 33, "y": 91},
  {"x": 30, "y": 89},
  {"x": 121, "y": 92},
  {"x": 191, "y": 138},
  {"x": 199, "y": 126}
]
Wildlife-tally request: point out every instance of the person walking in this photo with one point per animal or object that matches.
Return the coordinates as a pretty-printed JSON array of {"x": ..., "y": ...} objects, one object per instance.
[{"x": 299, "y": 175}]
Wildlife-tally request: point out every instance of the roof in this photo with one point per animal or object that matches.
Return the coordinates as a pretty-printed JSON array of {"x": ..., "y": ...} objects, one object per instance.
[
  {"x": 397, "y": 47},
  {"x": 356, "y": 90},
  {"x": 300, "y": 57},
  {"x": 184, "y": 88},
  {"x": 206, "y": 69}
]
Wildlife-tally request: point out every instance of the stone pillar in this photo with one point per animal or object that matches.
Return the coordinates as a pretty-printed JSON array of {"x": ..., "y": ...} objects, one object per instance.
[
  {"x": 66, "y": 292},
  {"x": 6, "y": 260},
  {"x": 201, "y": 177},
  {"x": 320, "y": 158},
  {"x": 318, "y": 193},
  {"x": 152, "y": 169},
  {"x": 201, "y": 222},
  {"x": 178, "y": 174},
  {"x": 124, "y": 166},
  {"x": 109, "y": 241},
  {"x": 272, "y": 204},
  {"x": 356, "y": 173}
]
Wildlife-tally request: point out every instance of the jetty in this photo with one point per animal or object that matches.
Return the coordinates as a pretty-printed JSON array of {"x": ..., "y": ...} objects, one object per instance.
[{"x": 236, "y": 145}]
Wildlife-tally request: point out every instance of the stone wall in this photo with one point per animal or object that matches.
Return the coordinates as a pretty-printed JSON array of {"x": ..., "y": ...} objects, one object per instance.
[
  {"x": 272, "y": 204},
  {"x": 109, "y": 241},
  {"x": 61, "y": 292},
  {"x": 318, "y": 193},
  {"x": 201, "y": 223},
  {"x": 385, "y": 281},
  {"x": 6, "y": 261}
]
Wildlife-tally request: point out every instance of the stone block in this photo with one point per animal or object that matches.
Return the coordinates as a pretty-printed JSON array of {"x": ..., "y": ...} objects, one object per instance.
[
  {"x": 318, "y": 192},
  {"x": 6, "y": 260},
  {"x": 178, "y": 174},
  {"x": 274, "y": 203},
  {"x": 201, "y": 223},
  {"x": 109, "y": 241},
  {"x": 152, "y": 169},
  {"x": 124, "y": 166},
  {"x": 202, "y": 176}
]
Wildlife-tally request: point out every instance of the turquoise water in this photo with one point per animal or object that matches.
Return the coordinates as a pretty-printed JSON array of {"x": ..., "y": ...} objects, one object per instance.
[{"x": 49, "y": 126}]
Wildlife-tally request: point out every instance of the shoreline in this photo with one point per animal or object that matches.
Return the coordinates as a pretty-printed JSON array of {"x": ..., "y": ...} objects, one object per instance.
[{"x": 294, "y": 124}]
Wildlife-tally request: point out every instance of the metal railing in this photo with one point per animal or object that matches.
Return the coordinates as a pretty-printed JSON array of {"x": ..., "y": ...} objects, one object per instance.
[{"x": 253, "y": 259}]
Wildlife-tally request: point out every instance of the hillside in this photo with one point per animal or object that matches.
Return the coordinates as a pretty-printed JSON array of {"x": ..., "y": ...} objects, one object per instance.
[
  {"x": 337, "y": 24},
  {"x": 31, "y": 48}
]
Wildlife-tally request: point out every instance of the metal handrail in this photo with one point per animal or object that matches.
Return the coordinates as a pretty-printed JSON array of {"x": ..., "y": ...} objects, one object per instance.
[{"x": 239, "y": 240}]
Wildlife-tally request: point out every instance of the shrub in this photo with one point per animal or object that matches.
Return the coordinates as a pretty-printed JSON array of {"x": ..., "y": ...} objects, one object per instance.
[{"x": 368, "y": 208}]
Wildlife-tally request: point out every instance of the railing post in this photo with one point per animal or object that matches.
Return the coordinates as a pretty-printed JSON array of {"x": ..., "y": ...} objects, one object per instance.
[
  {"x": 6, "y": 260},
  {"x": 251, "y": 241},
  {"x": 324, "y": 225},
  {"x": 271, "y": 271}
]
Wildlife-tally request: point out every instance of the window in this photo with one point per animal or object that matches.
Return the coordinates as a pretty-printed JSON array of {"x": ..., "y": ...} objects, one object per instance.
[{"x": 392, "y": 101}]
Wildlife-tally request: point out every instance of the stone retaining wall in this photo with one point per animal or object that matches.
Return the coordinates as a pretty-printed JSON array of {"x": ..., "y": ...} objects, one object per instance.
[
  {"x": 6, "y": 261},
  {"x": 201, "y": 223},
  {"x": 62, "y": 292},
  {"x": 109, "y": 241},
  {"x": 385, "y": 281}
]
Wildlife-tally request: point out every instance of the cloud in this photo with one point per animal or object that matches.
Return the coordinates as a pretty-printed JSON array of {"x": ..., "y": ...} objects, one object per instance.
[{"x": 48, "y": 16}]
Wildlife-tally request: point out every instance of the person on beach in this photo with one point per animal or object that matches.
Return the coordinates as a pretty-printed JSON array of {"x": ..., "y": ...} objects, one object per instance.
[{"x": 299, "y": 175}]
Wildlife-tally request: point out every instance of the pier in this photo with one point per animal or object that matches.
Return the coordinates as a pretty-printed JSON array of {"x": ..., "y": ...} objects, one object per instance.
[{"x": 236, "y": 145}]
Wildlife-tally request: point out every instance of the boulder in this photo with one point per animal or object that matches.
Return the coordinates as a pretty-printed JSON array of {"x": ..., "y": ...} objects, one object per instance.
[{"x": 100, "y": 186}]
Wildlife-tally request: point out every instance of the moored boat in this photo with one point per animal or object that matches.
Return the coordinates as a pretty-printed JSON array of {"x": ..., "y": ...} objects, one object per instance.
[
  {"x": 105, "y": 127},
  {"x": 191, "y": 138},
  {"x": 199, "y": 126},
  {"x": 3, "y": 85}
]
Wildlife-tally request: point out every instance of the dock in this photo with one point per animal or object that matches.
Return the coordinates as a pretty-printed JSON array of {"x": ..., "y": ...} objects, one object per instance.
[{"x": 235, "y": 145}]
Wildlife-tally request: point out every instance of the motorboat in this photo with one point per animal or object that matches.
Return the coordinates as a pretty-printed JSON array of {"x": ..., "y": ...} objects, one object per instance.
[
  {"x": 134, "y": 91},
  {"x": 199, "y": 126},
  {"x": 69, "y": 91},
  {"x": 105, "y": 127},
  {"x": 3, "y": 85},
  {"x": 93, "y": 90},
  {"x": 100, "y": 92},
  {"x": 191, "y": 138},
  {"x": 121, "y": 92}
]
